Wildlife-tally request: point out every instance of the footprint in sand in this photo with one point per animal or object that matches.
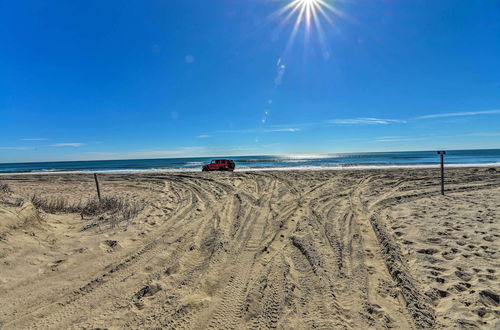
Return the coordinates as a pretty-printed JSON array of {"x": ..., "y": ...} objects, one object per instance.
[
  {"x": 463, "y": 275},
  {"x": 110, "y": 245}
]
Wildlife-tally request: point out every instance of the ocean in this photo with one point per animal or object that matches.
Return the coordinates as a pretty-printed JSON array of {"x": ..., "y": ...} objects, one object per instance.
[{"x": 337, "y": 161}]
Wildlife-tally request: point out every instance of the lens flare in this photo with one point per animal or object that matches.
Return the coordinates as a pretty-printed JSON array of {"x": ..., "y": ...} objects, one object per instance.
[{"x": 308, "y": 15}]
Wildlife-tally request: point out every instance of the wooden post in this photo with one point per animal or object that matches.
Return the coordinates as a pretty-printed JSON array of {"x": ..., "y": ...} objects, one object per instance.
[
  {"x": 97, "y": 186},
  {"x": 441, "y": 154}
]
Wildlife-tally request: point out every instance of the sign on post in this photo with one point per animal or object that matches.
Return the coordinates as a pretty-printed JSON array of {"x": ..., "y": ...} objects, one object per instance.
[{"x": 441, "y": 154}]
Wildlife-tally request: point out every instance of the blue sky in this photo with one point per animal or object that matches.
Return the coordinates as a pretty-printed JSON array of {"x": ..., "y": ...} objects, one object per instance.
[{"x": 173, "y": 78}]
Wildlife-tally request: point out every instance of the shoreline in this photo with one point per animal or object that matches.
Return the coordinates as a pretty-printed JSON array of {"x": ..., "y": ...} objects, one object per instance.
[{"x": 260, "y": 169}]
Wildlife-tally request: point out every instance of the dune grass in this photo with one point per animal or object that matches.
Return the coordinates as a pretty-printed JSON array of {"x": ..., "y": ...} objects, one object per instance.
[
  {"x": 6, "y": 197},
  {"x": 4, "y": 188},
  {"x": 116, "y": 207}
]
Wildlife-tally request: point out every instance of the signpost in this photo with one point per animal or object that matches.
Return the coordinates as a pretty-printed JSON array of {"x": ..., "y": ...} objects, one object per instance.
[{"x": 441, "y": 154}]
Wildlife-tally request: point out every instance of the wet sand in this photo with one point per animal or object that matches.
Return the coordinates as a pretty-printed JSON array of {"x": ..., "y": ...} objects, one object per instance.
[{"x": 292, "y": 250}]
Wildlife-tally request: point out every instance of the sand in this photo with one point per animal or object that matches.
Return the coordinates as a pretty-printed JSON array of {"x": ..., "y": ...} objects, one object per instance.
[{"x": 293, "y": 250}]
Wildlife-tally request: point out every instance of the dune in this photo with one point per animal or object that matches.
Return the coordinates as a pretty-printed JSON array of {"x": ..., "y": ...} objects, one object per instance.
[{"x": 286, "y": 249}]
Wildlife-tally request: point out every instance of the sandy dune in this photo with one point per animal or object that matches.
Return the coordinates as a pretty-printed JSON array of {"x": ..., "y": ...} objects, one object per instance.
[{"x": 294, "y": 250}]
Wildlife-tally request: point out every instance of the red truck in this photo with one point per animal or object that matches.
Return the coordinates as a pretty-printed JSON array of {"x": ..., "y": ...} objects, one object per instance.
[{"x": 219, "y": 165}]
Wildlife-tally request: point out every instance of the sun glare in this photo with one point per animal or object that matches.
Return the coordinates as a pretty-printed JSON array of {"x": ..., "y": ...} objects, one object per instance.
[{"x": 308, "y": 15}]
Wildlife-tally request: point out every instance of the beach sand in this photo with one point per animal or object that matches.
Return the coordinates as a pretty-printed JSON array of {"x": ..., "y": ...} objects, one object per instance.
[{"x": 293, "y": 250}]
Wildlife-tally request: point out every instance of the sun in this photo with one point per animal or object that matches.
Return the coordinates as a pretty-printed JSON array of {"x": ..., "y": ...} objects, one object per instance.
[
  {"x": 309, "y": 1},
  {"x": 308, "y": 15}
]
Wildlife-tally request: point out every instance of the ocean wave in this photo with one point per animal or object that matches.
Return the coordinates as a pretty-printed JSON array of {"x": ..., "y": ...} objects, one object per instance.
[
  {"x": 276, "y": 160},
  {"x": 255, "y": 169},
  {"x": 365, "y": 167},
  {"x": 192, "y": 163}
]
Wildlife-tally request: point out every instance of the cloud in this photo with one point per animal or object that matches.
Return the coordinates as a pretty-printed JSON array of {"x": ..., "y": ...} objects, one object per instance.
[
  {"x": 359, "y": 121},
  {"x": 34, "y": 139},
  {"x": 263, "y": 130},
  {"x": 291, "y": 130},
  {"x": 16, "y": 148},
  {"x": 70, "y": 144},
  {"x": 389, "y": 139},
  {"x": 365, "y": 121},
  {"x": 459, "y": 114},
  {"x": 242, "y": 148},
  {"x": 485, "y": 134},
  {"x": 203, "y": 136}
]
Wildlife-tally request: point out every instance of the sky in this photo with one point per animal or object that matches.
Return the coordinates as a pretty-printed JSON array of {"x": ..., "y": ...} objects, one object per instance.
[{"x": 86, "y": 80}]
